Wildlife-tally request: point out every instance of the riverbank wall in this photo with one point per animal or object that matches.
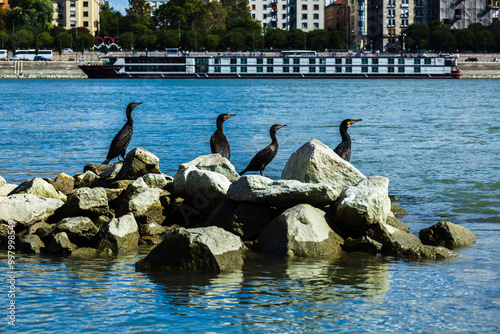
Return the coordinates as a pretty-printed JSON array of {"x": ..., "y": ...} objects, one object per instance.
[{"x": 484, "y": 68}]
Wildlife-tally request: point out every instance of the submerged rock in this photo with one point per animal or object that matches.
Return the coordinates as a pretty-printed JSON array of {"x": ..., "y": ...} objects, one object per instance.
[
  {"x": 315, "y": 162},
  {"x": 281, "y": 193},
  {"x": 27, "y": 209},
  {"x": 448, "y": 235},
  {"x": 362, "y": 205},
  {"x": 197, "y": 249},
  {"x": 61, "y": 245},
  {"x": 301, "y": 231},
  {"x": 31, "y": 244},
  {"x": 123, "y": 233}
]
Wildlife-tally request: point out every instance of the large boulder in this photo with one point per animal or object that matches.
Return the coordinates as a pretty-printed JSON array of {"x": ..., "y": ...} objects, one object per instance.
[
  {"x": 80, "y": 230},
  {"x": 89, "y": 202},
  {"x": 363, "y": 205},
  {"x": 146, "y": 206},
  {"x": 2, "y": 181},
  {"x": 315, "y": 162},
  {"x": 139, "y": 162},
  {"x": 155, "y": 180},
  {"x": 406, "y": 245},
  {"x": 27, "y": 209},
  {"x": 448, "y": 235},
  {"x": 280, "y": 193},
  {"x": 301, "y": 231},
  {"x": 197, "y": 249},
  {"x": 6, "y": 189},
  {"x": 64, "y": 183},
  {"x": 87, "y": 179},
  {"x": 214, "y": 163},
  {"x": 123, "y": 233},
  {"x": 38, "y": 187},
  {"x": 204, "y": 184}
]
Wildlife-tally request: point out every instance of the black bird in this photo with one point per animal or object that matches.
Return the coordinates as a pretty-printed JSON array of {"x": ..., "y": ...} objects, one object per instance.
[
  {"x": 344, "y": 148},
  {"x": 122, "y": 138},
  {"x": 218, "y": 141},
  {"x": 265, "y": 156}
]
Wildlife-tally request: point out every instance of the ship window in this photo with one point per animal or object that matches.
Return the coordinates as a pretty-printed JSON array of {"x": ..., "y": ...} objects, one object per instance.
[
  {"x": 338, "y": 61},
  {"x": 374, "y": 69},
  {"x": 286, "y": 69},
  {"x": 390, "y": 69},
  {"x": 296, "y": 61},
  {"x": 322, "y": 61},
  {"x": 375, "y": 61},
  {"x": 260, "y": 69},
  {"x": 243, "y": 69},
  {"x": 286, "y": 61},
  {"x": 312, "y": 69},
  {"x": 390, "y": 61},
  {"x": 199, "y": 61},
  {"x": 348, "y": 61},
  {"x": 427, "y": 61},
  {"x": 260, "y": 61},
  {"x": 416, "y": 61},
  {"x": 243, "y": 61},
  {"x": 296, "y": 69},
  {"x": 234, "y": 61},
  {"x": 348, "y": 69},
  {"x": 401, "y": 61},
  {"x": 269, "y": 69},
  {"x": 270, "y": 61},
  {"x": 233, "y": 69},
  {"x": 312, "y": 61},
  {"x": 217, "y": 69},
  {"x": 322, "y": 69},
  {"x": 401, "y": 69},
  {"x": 338, "y": 69},
  {"x": 364, "y": 69},
  {"x": 216, "y": 61},
  {"x": 416, "y": 69},
  {"x": 364, "y": 61}
]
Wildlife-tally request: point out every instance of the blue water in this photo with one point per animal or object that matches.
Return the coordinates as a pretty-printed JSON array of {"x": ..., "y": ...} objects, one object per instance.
[{"x": 436, "y": 140}]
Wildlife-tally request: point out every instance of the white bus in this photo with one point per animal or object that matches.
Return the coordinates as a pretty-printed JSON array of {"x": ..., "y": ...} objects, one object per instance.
[
  {"x": 30, "y": 54},
  {"x": 3, "y": 54}
]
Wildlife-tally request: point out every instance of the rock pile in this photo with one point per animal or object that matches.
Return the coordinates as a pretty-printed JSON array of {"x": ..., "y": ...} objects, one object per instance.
[{"x": 206, "y": 216}]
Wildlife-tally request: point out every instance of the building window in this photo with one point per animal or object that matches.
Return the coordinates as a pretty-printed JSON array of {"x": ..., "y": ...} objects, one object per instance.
[
  {"x": 364, "y": 69},
  {"x": 304, "y": 16},
  {"x": 270, "y": 61},
  {"x": 264, "y": 16},
  {"x": 316, "y": 7},
  {"x": 304, "y": 25},
  {"x": 401, "y": 69},
  {"x": 286, "y": 69},
  {"x": 316, "y": 16},
  {"x": 85, "y": 4},
  {"x": 72, "y": 4},
  {"x": 338, "y": 69},
  {"x": 416, "y": 69},
  {"x": 85, "y": 14},
  {"x": 322, "y": 69},
  {"x": 296, "y": 69},
  {"x": 374, "y": 69},
  {"x": 304, "y": 7},
  {"x": 390, "y": 61},
  {"x": 286, "y": 61},
  {"x": 253, "y": 7},
  {"x": 390, "y": 69},
  {"x": 243, "y": 69},
  {"x": 260, "y": 69},
  {"x": 253, "y": 16},
  {"x": 283, "y": 16},
  {"x": 85, "y": 23},
  {"x": 217, "y": 69},
  {"x": 260, "y": 61},
  {"x": 233, "y": 69},
  {"x": 264, "y": 7}
]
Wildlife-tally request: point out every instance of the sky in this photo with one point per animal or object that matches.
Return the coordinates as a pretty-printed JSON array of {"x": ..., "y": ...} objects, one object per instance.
[{"x": 119, "y": 5}]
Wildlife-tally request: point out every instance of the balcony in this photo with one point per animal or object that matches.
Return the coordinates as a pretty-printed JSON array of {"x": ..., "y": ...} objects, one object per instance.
[{"x": 492, "y": 4}]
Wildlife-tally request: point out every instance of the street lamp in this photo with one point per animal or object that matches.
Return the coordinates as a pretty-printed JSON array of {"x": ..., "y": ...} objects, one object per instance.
[{"x": 404, "y": 44}]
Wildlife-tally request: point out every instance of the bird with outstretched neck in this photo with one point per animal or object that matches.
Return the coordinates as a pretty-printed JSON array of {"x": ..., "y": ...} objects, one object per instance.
[
  {"x": 218, "y": 140},
  {"x": 123, "y": 137},
  {"x": 343, "y": 149},
  {"x": 265, "y": 156}
]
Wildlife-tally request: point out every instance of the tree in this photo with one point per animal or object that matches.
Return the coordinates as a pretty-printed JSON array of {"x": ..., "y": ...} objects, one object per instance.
[
  {"x": 296, "y": 39},
  {"x": 276, "y": 38},
  {"x": 35, "y": 14},
  {"x": 317, "y": 39},
  {"x": 4, "y": 37},
  {"x": 144, "y": 37},
  {"x": 142, "y": 8},
  {"x": 212, "y": 42},
  {"x": 417, "y": 36},
  {"x": 441, "y": 38},
  {"x": 22, "y": 39},
  {"x": 465, "y": 38},
  {"x": 109, "y": 19},
  {"x": 45, "y": 40},
  {"x": 214, "y": 16},
  {"x": 167, "y": 38},
  {"x": 337, "y": 39},
  {"x": 236, "y": 9},
  {"x": 183, "y": 14}
]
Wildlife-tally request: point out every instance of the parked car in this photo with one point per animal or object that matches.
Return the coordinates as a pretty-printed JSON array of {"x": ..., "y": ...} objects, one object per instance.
[
  {"x": 67, "y": 50},
  {"x": 40, "y": 58},
  {"x": 496, "y": 60},
  {"x": 471, "y": 59}
]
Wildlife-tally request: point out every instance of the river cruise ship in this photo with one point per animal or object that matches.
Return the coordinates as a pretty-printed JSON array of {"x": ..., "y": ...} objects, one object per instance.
[{"x": 284, "y": 64}]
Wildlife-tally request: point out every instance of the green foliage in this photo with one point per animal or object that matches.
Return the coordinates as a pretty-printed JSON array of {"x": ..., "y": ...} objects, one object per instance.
[
  {"x": 35, "y": 14},
  {"x": 45, "y": 40},
  {"x": 317, "y": 39},
  {"x": 417, "y": 36},
  {"x": 337, "y": 39},
  {"x": 109, "y": 20},
  {"x": 22, "y": 39},
  {"x": 276, "y": 39},
  {"x": 212, "y": 42},
  {"x": 4, "y": 37},
  {"x": 236, "y": 9},
  {"x": 142, "y": 8},
  {"x": 167, "y": 39},
  {"x": 296, "y": 39}
]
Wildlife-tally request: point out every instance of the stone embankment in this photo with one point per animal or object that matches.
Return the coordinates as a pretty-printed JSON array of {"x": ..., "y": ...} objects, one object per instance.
[{"x": 206, "y": 217}]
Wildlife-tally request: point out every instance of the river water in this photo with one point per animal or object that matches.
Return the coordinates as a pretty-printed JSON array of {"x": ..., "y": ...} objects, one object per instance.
[{"x": 436, "y": 140}]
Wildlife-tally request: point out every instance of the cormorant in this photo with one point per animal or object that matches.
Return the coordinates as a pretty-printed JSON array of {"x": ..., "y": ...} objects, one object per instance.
[
  {"x": 122, "y": 138},
  {"x": 265, "y": 156},
  {"x": 218, "y": 141},
  {"x": 344, "y": 148}
]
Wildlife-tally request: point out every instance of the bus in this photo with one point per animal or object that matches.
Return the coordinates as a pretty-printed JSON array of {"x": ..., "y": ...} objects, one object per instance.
[
  {"x": 3, "y": 54},
  {"x": 30, "y": 54}
]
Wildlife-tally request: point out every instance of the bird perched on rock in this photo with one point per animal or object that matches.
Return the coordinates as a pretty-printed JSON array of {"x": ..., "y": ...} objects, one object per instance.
[
  {"x": 265, "y": 156},
  {"x": 343, "y": 149},
  {"x": 218, "y": 141},
  {"x": 123, "y": 137}
]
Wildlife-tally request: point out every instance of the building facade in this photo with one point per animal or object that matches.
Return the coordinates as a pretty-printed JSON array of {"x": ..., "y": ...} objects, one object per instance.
[
  {"x": 458, "y": 14},
  {"x": 306, "y": 15},
  {"x": 77, "y": 13}
]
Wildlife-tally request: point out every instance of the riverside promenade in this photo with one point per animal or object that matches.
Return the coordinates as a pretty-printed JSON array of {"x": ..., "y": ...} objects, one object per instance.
[{"x": 66, "y": 67}]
